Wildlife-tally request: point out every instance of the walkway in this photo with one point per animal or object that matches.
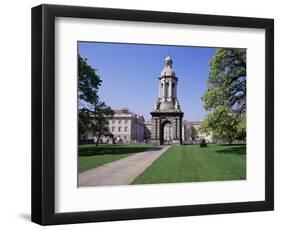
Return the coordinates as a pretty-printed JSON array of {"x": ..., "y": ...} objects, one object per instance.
[{"x": 121, "y": 172}]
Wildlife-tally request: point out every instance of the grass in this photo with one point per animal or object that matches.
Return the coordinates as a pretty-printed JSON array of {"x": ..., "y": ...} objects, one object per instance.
[
  {"x": 91, "y": 156},
  {"x": 190, "y": 163}
]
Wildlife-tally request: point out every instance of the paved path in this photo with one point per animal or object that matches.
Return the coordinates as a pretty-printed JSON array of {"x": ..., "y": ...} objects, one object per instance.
[{"x": 121, "y": 172}]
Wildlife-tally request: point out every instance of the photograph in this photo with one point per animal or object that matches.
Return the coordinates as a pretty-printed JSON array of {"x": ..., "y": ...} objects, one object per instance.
[
  {"x": 154, "y": 114},
  {"x": 141, "y": 114}
]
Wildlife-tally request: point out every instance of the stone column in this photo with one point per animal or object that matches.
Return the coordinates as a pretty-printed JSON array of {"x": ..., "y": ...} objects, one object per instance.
[
  {"x": 180, "y": 130},
  {"x": 174, "y": 128},
  {"x": 155, "y": 130},
  {"x": 177, "y": 132},
  {"x": 170, "y": 90},
  {"x": 160, "y": 89},
  {"x": 152, "y": 128},
  {"x": 177, "y": 129},
  {"x": 165, "y": 90}
]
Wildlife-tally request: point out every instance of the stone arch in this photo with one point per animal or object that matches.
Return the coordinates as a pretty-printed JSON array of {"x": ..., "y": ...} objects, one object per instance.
[
  {"x": 158, "y": 122},
  {"x": 162, "y": 130}
]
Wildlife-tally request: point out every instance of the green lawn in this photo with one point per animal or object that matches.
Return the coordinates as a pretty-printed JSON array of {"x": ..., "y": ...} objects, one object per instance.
[
  {"x": 91, "y": 156},
  {"x": 190, "y": 163}
]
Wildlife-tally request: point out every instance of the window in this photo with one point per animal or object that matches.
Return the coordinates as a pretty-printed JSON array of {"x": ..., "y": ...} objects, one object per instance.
[
  {"x": 113, "y": 121},
  {"x": 119, "y": 129},
  {"x": 119, "y": 121},
  {"x": 126, "y": 121},
  {"x": 112, "y": 128},
  {"x": 126, "y": 129}
]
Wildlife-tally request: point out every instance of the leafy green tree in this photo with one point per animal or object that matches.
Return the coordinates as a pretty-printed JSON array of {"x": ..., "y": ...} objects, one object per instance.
[
  {"x": 88, "y": 82},
  {"x": 222, "y": 123},
  {"x": 100, "y": 120},
  {"x": 227, "y": 80},
  {"x": 84, "y": 122},
  {"x": 93, "y": 113},
  {"x": 225, "y": 97},
  {"x": 88, "y": 85},
  {"x": 241, "y": 128}
]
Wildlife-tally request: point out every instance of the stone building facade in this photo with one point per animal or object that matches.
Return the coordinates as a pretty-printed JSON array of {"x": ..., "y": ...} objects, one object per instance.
[
  {"x": 196, "y": 124},
  {"x": 147, "y": 131},
  {"x": 124, "y": 127},
  {"x": 127, "y": 127}
]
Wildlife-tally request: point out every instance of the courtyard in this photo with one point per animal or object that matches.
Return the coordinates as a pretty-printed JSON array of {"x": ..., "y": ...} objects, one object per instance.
[
  {"x": 190, "y": 163},
  {"x": 147, "y": 164},
  {"x": 92, "y": 156}
]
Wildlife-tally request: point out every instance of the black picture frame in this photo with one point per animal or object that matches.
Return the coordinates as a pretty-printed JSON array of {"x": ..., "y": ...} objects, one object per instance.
[{"x": 43, "y": 114}]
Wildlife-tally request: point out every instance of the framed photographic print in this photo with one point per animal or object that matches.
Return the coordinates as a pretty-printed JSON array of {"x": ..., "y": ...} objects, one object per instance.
[{"x": 143, "y": 114}]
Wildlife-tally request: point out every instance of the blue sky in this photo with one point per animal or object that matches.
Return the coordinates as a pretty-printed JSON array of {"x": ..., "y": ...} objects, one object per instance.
[{"x": 130, "y": 74}]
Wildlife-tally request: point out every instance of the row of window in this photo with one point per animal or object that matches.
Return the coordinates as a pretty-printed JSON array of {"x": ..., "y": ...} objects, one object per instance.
[
  {"x": 119, "y": 129},
  {"x": 124, "y": 138},
  {"x": 119, "y": 121}
]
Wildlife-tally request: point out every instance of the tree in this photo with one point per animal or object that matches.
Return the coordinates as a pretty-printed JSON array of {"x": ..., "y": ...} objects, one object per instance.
[
  {"x": 241, "y": 128},
  {"x": 88, "y": 85},
  {"x": 225, "y": 97},
  {"x": 222, "y": 123},
  {"x": 100, "y": 120},
  {"x": 84, "y": 123},
  {"x": 88, "y": 82},
  {"x": 227, "y": 80},
  {"x": 192, "y": 133},
  {"x": 93, "y": 113}
]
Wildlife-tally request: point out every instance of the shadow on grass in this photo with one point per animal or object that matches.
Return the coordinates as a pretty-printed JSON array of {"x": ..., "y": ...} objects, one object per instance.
[
  {"x": 232, "y": 145},
  {"x": 240, "y": 150},
  {"x": 102, "y": 150}
]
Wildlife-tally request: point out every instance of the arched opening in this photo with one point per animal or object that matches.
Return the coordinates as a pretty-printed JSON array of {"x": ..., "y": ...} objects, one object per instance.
[{"x": 166, "y": 133}]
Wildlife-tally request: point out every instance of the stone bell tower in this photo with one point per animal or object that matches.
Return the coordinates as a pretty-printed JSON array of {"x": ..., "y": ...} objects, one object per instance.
[{"x": 167, "y": 108}]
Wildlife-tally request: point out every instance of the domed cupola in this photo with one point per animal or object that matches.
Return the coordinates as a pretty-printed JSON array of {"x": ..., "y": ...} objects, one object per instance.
[
  {"x": 167, "y": 100},
  {"x": 168, "y": 61},
  {"x": 168, "y": 68}
]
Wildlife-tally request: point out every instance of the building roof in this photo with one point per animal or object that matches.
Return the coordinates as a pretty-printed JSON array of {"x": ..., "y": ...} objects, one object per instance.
[
  {"x": 192, "y": 122},
  {"x": 122, "y": 111},
  {"x": 125, "y": 112}
]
